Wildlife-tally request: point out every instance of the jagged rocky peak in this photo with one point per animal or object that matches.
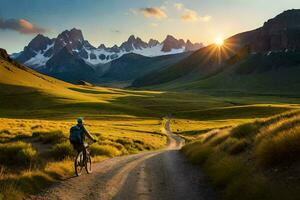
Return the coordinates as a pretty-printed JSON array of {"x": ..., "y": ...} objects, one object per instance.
[
  {"x": 76, "y": 34},
  {"x": 188, "y": 42},
  {"x": 181, "y": 42},
  {"x": 170, "y": 38},
  {"x": 131, "y": 38},
  {"x": 133, "y": 43},
  {"x": 189, "y": 46},
  {"x": 153, "y": 43},
  {"x": 172, "y": 43},
  {"x": 102, "y": 46},
  {"x": 71, "y": 35},
  {"x": 41, "y": 49},
  {"x": 39, "y": 42},
  {"x": 139, "y": 43},
  {"x": 73, "y": 39}
]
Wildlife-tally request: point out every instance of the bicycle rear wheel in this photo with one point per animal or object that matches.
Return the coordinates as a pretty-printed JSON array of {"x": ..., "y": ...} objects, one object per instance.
[
  {"x": 79, "y": 164},
  {"x": 88, "y": 164}
]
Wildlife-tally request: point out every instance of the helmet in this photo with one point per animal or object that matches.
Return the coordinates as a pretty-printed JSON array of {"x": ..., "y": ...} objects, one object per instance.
[{"x": 80, "y": 120}]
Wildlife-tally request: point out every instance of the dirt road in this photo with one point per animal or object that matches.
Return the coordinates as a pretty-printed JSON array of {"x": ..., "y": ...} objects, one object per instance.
[{"x": 158, "y": 175}]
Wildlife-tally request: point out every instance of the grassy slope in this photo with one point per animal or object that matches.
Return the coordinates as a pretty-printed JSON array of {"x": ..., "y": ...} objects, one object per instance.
[
  {"x": 258, "y": 74},
  {"x": 28, "y": 98},
  {"x": 257, "y": 160},
  {"x": 126, "y": 121},
  {"x": 275, "y": 74},
  {"x": 29, "y": 85},
  {"x": 199, "y": 64}
]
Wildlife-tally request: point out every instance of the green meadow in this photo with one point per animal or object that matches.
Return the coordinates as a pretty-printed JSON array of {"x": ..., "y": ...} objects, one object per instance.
[{"x": 36, "y": 113}]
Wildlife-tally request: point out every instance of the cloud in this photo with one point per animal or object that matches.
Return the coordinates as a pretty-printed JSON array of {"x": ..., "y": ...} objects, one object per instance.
[
  {"x": 115, "y": 31},
  {"x": 205, "y": 18},
  {"x": 154, "y": 24},
  {"x": 191, "y": 16},
  {"x": 155, "y": 12},
  {"x": 20, "y": 25},
  {"x": 179, "y": 6}
]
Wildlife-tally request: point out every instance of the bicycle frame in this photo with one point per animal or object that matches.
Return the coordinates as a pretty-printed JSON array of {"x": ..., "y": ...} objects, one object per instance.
[{"x": 80, "y": 162}]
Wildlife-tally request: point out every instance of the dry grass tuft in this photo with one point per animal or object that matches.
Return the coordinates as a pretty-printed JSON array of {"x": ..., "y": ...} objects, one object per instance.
[
  {"x": 238, "y": 161},
  {"x": 281, "y": 149},
  {"x": 245, "y": 130},
  {"x": 18, "y": 154},
  {"x": 62, "y": 151},
  {"x": 104, "y": 150},
  {"x": 51, "y": 137},
  {"x": 197, "y": 153}
]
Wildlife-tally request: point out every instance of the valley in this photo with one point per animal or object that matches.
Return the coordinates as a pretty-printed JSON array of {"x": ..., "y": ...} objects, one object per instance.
[{"x": 39, "y": 110}]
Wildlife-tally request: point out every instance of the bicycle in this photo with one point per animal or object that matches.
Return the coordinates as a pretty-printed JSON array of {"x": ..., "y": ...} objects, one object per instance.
[{"x": 79, "y": 163}]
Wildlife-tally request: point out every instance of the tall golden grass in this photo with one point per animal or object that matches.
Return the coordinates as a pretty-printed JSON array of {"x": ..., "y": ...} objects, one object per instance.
[
  {"x": 244, "y": 161},
  {"x": 36, "y": 153}
]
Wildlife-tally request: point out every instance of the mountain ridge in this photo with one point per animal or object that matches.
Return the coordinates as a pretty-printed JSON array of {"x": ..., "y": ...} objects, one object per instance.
[{"x": 41, "y": 48}]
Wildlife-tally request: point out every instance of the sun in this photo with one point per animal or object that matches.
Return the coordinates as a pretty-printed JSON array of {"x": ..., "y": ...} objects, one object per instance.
[{"x": 219, "y": 41}]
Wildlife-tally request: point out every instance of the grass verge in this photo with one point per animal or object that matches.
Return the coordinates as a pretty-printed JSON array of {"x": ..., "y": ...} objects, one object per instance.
[{"x": 257, "y": 160}]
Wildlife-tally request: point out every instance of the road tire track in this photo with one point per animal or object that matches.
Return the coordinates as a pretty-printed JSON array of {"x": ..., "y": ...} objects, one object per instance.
[{"x": 156, "y": 175}]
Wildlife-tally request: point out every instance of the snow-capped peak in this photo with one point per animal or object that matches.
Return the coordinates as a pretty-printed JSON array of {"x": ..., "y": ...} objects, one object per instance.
[{"x": 41, "y": 48}]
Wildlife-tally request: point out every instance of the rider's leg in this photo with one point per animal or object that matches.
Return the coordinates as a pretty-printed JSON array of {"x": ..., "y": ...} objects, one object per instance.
[{"x": 84, "y": 153}]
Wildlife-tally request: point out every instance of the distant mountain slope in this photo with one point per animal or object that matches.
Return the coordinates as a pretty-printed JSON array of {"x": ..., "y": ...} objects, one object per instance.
[
  {"x": 199, "y": 64},
  {"x": 257, "y": 48},
  {"x": 131, "y": 66},
  {"x": 277, "y": 73},
  {"x": 65, "y": 66}
]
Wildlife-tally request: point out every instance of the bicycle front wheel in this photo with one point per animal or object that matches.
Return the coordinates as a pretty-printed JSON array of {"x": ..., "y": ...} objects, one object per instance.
[
  {"x": 88, "y": 164},
  {"x": 79, "y": 164}
]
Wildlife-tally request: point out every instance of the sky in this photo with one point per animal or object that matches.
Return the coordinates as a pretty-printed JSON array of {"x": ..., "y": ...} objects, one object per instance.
[{"x": 113, "y": 21}]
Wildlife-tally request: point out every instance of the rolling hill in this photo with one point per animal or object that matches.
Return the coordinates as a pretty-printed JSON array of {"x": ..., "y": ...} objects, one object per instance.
[
  {"x": 26, "y": 93},
  {"x": 24, "y": 90},
  {"x": 269, "y": 74},
  {"x": 16, "y": 74}
]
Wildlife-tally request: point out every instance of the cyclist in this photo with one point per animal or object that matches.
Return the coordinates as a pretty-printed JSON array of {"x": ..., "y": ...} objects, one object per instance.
[{"x": 77, "y": 137}]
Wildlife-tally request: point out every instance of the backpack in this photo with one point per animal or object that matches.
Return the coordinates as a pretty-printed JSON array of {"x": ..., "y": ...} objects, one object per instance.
[{"x": 76, "y": 135}]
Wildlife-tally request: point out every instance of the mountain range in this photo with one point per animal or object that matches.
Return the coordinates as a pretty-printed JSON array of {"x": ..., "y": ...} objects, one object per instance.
[
  {"x": 265, "y": 60},
  {"x": 41, "y": 49},
  {"x": 71, "y": 58}
]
